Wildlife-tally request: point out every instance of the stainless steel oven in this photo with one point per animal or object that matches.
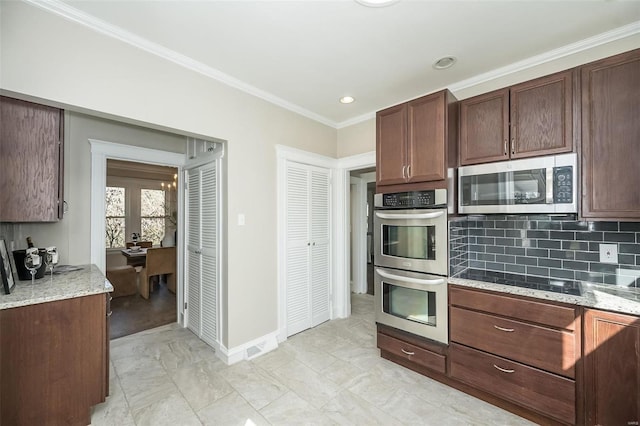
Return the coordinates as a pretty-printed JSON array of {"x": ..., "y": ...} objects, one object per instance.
[
  {"x": 413, "y": 302},
  {"x": 411, "y": 262},
  {"x": 411, "y": 239}
]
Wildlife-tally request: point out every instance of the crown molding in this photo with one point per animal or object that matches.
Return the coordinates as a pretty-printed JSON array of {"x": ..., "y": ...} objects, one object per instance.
[
  {"x": 70, "y": 13},
  {"x": 552, "y": 55}
]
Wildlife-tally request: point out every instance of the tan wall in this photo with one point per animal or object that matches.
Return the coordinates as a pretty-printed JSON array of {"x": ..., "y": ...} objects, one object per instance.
[{"x": 75, "y": 67}]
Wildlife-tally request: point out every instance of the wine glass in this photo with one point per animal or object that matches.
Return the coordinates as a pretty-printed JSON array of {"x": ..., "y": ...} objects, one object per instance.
[
  {"x": 51, "y": 258},
  {"x": 32, "y": 262}
]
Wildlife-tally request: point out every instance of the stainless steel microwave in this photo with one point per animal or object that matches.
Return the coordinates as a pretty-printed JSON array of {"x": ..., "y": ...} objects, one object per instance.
[{"x": 534, "y": 185}]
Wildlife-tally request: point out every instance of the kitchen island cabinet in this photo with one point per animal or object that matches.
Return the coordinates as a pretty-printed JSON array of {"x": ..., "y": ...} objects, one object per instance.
[
  {"x": 416, "y": 143},
  {"x": 31, "y": 162},
  {"x": 610, "y": 135},
  {"x": 55, "y": 353},
  {"x": 530, "y": 119},
  {"x": 612, "y": 368}
]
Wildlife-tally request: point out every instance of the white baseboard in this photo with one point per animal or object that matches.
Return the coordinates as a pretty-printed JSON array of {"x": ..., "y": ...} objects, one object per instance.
[{"x": 249, "y": 350}]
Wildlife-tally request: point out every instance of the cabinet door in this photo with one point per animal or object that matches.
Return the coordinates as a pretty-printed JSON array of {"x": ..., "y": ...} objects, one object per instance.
[
  {"x": 542, "y": 116},
  {"x": 30, "y": 162},
  {"x": 610, "y": 135},
  {"x": 612, "y": 368},
  {"x": 426, "y": 145},
  {"x": 484, "y": 128},
  {"x": 391, "y": 152}
]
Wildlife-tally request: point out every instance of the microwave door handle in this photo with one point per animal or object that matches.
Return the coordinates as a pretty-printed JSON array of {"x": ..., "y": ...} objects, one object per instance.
[
  {"x": 549, "y": 187},
  {"x": 409, "y": 279},
  {"x": 432, "y": 215}
]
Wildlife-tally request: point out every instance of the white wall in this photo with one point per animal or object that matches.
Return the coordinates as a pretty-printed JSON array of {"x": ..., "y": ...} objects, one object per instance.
[{"x": 47, "y": 57}]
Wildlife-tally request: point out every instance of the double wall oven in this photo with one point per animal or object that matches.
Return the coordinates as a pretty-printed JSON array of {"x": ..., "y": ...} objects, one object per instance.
[{"x": 411, "y": 262}]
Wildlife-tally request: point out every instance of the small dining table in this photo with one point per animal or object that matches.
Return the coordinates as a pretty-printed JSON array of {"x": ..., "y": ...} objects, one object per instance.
[{"x": 135, "y": 257}]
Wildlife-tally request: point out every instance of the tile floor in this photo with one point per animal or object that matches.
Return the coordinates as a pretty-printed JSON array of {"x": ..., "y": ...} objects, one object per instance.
[{"x": 332, "y": 374}]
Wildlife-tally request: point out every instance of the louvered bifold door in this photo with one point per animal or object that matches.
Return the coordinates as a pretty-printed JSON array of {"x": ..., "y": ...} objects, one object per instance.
[
  {"x": 319, "y": 191},
  {"x": 209, "y": 248},
  {"x": 298, "y": 303},
  {"x": 193, "y": 261}
]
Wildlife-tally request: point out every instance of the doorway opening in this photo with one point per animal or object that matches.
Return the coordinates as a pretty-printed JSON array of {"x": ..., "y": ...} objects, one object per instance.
[
  {"x": 141, "y": 213},
  {"x": 363, "y": 186}
]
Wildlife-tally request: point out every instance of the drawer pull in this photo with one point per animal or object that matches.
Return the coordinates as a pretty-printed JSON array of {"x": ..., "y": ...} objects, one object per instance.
[
  {"x": 504, "y": 370},
  {"x": 508, "y": 330},
  {"x": 407, "y": 352}
]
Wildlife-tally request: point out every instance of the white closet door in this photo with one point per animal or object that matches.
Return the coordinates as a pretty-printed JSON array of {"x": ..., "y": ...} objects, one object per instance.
[
  {"x": 307, "y": 233},
  {"x": 193, "y": 261},
  {"x": 298, "y": 296},
  {"x": 202, "y": 252},
  {"x": 209, "y": 257},
  {"x": 319, "y": 190}
]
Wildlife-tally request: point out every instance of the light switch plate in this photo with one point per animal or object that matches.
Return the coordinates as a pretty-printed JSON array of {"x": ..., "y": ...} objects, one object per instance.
[
  {"x": 241, "y": 219},
  {"x": 608, "y": 253}
]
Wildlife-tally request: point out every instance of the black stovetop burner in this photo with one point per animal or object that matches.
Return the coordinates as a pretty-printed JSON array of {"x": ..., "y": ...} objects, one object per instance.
[{"x": 556, "y": 285}]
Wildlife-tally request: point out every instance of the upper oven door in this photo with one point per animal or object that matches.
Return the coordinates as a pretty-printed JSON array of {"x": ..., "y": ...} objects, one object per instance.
[{"x": 413, "y": 240}]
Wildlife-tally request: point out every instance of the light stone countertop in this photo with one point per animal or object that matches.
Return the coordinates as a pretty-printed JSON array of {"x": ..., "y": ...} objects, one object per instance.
[
  {"x": 599, "y": 296},
  {"x": 87, "y": 281}
]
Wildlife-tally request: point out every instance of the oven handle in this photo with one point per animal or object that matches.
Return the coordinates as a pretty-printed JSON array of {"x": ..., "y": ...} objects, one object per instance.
[
  {"x": 384, "y": 274},
  {"x": 431, "y": 215}
]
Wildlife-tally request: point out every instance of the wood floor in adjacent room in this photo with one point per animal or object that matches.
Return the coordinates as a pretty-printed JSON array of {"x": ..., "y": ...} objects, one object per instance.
[{"x": 132, "y": 314}]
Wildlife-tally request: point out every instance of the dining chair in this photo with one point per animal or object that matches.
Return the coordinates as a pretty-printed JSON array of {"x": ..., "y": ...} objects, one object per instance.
[
  {"x": 160, "y": 261},
  {"x": 142, "y": 244}
]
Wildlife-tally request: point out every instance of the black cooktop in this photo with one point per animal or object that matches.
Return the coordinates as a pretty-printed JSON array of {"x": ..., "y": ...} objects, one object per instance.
[{"x": 556, "y": 285}]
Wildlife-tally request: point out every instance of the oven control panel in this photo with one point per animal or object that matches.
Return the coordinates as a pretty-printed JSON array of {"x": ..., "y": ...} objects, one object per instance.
[{"x": 412, "y": 199}]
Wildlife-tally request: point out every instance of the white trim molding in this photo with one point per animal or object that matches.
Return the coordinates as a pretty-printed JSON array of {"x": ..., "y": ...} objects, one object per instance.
[
  {"x": 248, "y": 351},
  {"x": 66, "y": 11}
]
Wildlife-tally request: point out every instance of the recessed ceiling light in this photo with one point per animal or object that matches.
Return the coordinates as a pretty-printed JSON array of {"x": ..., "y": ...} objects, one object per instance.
[
  {"x": 347, "y": 99},
  {"x": 444, "y": 63},
  {"x": 377, "y": 3}
]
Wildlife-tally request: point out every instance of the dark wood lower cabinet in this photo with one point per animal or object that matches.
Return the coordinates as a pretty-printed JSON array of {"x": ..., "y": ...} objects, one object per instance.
[
  {"x": 54, "y": 361},
  {"x": 612, "y": 368},
  {"x": 548, "y": 394}
]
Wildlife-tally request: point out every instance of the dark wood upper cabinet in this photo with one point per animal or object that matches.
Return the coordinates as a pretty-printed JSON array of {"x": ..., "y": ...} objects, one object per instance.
[
  {"x": 414, "y": 143},
  {"x": 611, "y": 138},
  {"x": 526, "y": 120},
  {"x": 484, "y": 128},
  {"x": 31, "y": 162},
  {"x": 612, "y": 368},
  {"x": 391, "y": 150}
]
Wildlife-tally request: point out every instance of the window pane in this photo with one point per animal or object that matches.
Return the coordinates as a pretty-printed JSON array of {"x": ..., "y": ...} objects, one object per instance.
[
  {"x": 115, "y": 232},
  {"x": 114, "y": 201},
  {"x": 152, "y": 229},
  {"x": 152, "y": 203}
]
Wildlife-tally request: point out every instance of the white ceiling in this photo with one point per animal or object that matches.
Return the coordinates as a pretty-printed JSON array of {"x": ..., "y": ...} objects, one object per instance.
[{"x": 304, "y": 55}]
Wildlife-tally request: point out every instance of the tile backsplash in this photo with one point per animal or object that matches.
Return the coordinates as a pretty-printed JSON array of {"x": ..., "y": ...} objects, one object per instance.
[{"x": 546, "y": 246}]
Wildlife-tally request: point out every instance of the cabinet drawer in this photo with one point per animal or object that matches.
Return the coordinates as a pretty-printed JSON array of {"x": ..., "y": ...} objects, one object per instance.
[
  {"x": 527, "y": 310},
  {"x": 546, "y": 393},
  {"x": 412, "y": 353},
  {"x": 549, "y": 349}
]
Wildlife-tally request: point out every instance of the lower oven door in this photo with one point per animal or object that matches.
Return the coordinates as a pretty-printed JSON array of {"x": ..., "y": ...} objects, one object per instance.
[{"x": 413, "y": 302}]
